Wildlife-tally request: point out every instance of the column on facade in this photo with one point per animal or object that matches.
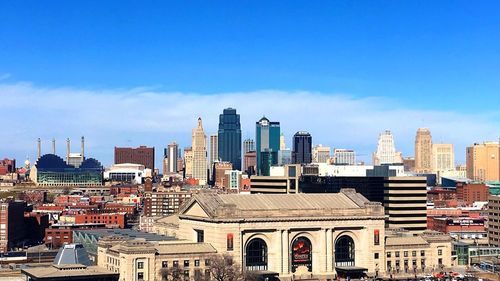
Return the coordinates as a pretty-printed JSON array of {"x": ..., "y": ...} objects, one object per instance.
[
  {"x": 329, "y": 250},
  {"x": 323, "y": 251},
  {"x": 285, "y": 252}
]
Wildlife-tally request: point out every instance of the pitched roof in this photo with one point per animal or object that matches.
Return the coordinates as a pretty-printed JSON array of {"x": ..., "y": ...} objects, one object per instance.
[{"x": 345, "y": 203}]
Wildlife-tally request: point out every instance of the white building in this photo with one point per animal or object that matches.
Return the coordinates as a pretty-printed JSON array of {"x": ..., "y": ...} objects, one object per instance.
[
  {"x": 127, "y": 172},
  {"x": 386, "y": 150},
  {"x": 344, "y": 157},
  {"x": 234, "y": 179}
]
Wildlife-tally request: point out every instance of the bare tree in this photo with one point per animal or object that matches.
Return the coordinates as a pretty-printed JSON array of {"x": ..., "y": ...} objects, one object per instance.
[
  {"x": 170, "y": 274},
  {"x": 223, "y": 268}
]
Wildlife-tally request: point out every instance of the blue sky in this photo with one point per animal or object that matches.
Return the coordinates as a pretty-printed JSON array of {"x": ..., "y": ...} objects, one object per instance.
[{"x": 421, "y": 59}]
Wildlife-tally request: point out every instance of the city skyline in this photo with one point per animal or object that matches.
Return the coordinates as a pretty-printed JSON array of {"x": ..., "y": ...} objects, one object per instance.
[{"x": 107, "y": 127}]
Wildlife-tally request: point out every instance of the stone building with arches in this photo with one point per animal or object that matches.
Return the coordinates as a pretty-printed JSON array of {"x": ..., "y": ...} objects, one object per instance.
[{"x": 290, "y": 235}]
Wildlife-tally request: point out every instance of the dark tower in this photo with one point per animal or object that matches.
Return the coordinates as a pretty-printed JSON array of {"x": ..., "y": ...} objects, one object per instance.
[{"x": 229, "y": 140}]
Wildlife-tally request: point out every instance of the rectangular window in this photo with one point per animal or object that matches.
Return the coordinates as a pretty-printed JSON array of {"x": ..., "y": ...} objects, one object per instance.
[
  {"x": 405, "y": 254},
  {"x": 440, "y": 252},
  {"x": 207, "y": 274},
  {"x": 375, "y": 256},
  {"x": 207, "y": 262},
  {"x": 422, "y": 253},
  {"x": 186, "y": 263},
  {"x": 388, "y": 254},
  {"x": 229, "y": 239},
  {"x": 376, "y": 237},
  {"x": 140, "y": 276},
  {"x": 200, "y": 235},
  {"x": 389, "y": 265},
  {"x": 176, "y": 264},
  {"x": 397, "y": 254},
  {"x": 414, "y": 253},
  {"x": 196, "y": 262},
  {"x": 164, "y": 264},
  {"x": 140, "y": 265}
]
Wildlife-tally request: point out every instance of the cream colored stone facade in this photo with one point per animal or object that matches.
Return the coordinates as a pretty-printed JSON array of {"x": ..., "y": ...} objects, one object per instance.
[
  {"x": 139, "y": 260},
  {"x": 278, "y": 221}
]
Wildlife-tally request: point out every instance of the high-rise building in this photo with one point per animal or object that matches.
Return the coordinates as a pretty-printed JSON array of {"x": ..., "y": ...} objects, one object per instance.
[
  {"x": 483, "y": 161},
  {"x": 172, "y": 155},
  {"x": 199, "y": 142},
  {"x": 344, "y": 156},
  {"x": 386, "y": 150},
  {"x": 423, "y": 151},
  {"x": 230, "y": 137},
  {"x": 267, "y": 145},
  {"x": 302, "y": 148},
  {"x": 248, "y": 145},
  {"x": 214, "y": 152},
  {"x": 141, "y": 155},
  {"x": 250, "y": 162},
  {"x": 282, "y": 142},
  {"x": 188, "y": 162},
  {"x": 12, "y": 222},
  {"x": 320, "y": 154},
  {"x": 443, "y": 157}
]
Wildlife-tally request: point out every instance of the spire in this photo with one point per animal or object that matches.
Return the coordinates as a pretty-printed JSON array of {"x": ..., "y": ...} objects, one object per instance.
[{"x": 199, "y": 122}]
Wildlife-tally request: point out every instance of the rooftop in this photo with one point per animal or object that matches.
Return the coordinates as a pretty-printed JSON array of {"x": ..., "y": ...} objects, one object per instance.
[
  {"x": 65, "y": 271},
  {"x": 251, "y": 206},
  {"x": 125, "y": 233}
]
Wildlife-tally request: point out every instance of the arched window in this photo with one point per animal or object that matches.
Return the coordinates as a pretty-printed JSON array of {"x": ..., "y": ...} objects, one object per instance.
[
  {"x": 301, "y": 253},
  {"x": 256, "y": 255},
  {"x": 344, "y": 251}
]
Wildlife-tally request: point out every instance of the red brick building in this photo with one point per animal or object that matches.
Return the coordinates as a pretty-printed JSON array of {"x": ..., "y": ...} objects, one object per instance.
[
  {"x": 111, "y": 207},
  {"x": 109, "y": 219},
  {"x": 7, "y": 166},
  {"x": 141, "y": 155},
  {"x": 11, "y": 224},
  {"x": 468, "y": 193},
  {"x": 455, "y": 224},
  {"x": 58, "y": 235},
  {"x": 125, "y": 190},
  {"x": 164, "y": 203}
]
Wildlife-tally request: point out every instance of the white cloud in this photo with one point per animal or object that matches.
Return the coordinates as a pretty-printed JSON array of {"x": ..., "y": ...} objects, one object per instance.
[{"x": 131, "y": 117}]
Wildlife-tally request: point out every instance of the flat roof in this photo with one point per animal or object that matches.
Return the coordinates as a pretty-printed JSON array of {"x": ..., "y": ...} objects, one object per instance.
[
  {"x": 65, "y": 271},
  {"x": 126, "y": 233}
]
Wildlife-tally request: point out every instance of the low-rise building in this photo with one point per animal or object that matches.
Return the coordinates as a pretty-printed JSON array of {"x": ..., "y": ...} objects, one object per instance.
[
  {"x": 141, "y": 260},
  {"x": 69, "y": 272},
  {"x": 164, "y": 203}
]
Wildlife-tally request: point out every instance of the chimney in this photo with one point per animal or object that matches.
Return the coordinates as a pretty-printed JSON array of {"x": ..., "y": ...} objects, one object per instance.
[
  {"x": 53, "y": 146},
  {"x": 68, "y": 149},
  {"x": 83, "y": 148},
  {"x": 39, "y": 147}
]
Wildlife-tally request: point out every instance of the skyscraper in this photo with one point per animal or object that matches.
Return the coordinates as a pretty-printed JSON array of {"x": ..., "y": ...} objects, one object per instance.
[
  {"x": 248, "y": 145},
  {"x": 188, "y": 162},
  {"x": 423, "y": 151},
  {"x": 267, "y": 145},
  {"x": 230, "y": 137},
  {"x": 172, "y": 156},
  {"x": 320, "y": 153},
  {"x": 199, "y": 142},
  {"x": 483, "y": 161},
  {"x": 282, "y": 142},
  {"x": 141, "y": 155},
  {"x": 302, "y": 148},
  {"x": 214, "y": 152},
  {"x": 386, "y": 150},
  {"x": 443, "y": 157}
]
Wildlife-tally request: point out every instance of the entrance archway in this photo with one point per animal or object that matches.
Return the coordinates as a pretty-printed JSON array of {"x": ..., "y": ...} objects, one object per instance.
[
  {"x": 256, "y": 255},
  {"x": 344, "y": 251},
  {"x": 301, "y": 253}
]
